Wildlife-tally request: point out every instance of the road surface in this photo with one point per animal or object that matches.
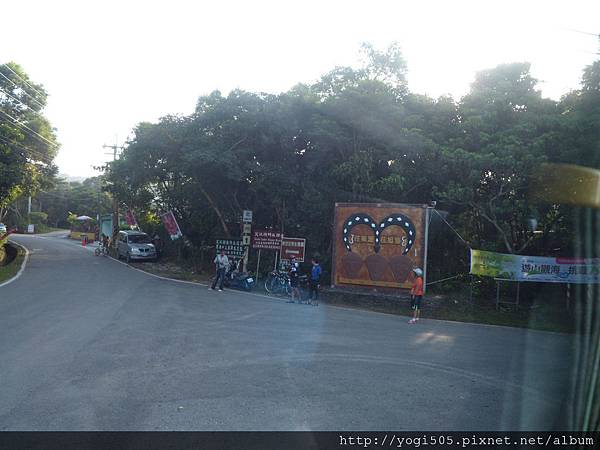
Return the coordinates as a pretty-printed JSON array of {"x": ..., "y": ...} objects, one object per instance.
[{"x": 87, "y": 343}]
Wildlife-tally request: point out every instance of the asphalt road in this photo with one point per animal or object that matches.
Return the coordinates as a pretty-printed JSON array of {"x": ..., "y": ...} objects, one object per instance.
[{"x": 87, "y": 343}]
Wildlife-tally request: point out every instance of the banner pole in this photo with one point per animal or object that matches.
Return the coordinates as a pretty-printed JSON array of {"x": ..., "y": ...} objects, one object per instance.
[
  {"x": 258, "y": 266},
  {"x": 427, "y": 214}
]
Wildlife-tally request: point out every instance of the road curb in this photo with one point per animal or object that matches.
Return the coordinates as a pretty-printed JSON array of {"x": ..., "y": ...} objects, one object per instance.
[
  {"x": 23, "y": 264},
  {"x": 345, "y": 308}
]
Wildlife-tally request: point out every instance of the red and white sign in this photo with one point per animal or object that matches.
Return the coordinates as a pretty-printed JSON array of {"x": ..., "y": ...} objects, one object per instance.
[
  {"x": 293, "y": 247},
  {"x": 266, "y": 240},
  {"x": 170, "y": 223},
  {"x": 130, "y": 218}
]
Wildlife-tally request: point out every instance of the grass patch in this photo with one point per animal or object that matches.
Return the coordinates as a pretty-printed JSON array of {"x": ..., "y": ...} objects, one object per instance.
[
  {"x": 41, "y": 229},
  {"x": 10, "y": 270},
  {"x": 537, "y": 316},
  {"x": 544, "y": 313},
  {"x": 3, "y": 242}
]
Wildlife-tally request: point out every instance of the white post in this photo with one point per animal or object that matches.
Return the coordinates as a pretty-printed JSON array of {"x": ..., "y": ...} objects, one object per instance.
[
  {"x": 258, "y": 266},
  {"x": 276, "y": 256},
  {"x": 427, "y": 214}
]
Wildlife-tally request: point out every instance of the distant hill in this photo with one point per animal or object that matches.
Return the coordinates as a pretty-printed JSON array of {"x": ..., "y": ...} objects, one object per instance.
[{"x": 70, "y": 178}]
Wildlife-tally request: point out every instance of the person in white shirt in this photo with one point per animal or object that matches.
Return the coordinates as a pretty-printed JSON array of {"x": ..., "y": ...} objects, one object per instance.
[{"x": 222, "y": 263}]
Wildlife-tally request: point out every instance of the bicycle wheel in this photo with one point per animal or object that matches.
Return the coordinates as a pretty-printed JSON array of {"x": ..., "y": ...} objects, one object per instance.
[
  {"x": 270, "y": 285},
  {"x": 97, "y": 251},
  {"x": 286, "y": 287}
]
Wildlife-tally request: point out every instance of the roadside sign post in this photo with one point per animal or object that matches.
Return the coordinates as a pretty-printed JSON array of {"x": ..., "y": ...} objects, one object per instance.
[
  {"x": 427, "y": 220},
  {"x": 267, "y": 240},
  {"x": 233, "y": 248},
  {"x": 293, "y": 248},
  {"x": 258, "y": 266},
  {"x": 246, "y": 231}
]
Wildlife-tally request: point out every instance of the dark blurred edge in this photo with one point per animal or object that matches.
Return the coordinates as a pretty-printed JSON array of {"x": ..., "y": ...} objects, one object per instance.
[{"x": 579, "y": 187}]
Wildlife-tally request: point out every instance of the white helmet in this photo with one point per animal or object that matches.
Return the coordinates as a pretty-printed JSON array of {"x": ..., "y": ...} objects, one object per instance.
[{"x": 418, "y": 272}]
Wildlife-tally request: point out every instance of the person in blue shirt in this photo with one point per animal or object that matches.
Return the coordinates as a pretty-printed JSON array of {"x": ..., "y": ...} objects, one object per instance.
[{"x": 315, "y": 281}]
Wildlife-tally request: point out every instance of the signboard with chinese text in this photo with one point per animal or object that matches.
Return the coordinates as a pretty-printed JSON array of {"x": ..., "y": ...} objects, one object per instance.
[
  {"x": 293, "y": 247},
  {"x": 377, "y": 245},
  {"x": 266, "y": 240},
  {"x": 247, "y": 216},
  {"x": 535, "y": 268},
  {"x": 234, "y": 248}
]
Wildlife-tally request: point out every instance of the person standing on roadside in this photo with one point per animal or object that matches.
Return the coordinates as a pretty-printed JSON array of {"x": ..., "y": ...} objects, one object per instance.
[
  {"x": 105, "y": 243},
  {"x": 315, "y": 281},
  {"x": 294, "y": 274},
  {"x": 221, "y": 264},
  {"x": 416, "y": 295},
  {"x": 157, "y": 241}
]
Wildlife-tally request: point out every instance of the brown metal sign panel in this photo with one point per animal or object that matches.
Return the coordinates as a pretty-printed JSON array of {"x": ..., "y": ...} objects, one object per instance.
[{"x": 376, "y": 245}]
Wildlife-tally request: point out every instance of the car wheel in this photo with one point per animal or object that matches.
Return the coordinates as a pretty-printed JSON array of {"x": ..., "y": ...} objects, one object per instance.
[{"x": 127, "y": 258}]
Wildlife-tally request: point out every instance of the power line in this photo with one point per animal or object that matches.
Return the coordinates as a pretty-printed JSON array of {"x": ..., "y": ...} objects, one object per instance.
[
  {"x": 597, "y": 35},
  {"x": 41, "y": 156},
  {"x": 16, "y": 121},
  {"x": 24, "y": 81},
  {"x": 451, "y": 227},
  {"x": 20, "y": 102},
  {"x": 24, "y": 91}
]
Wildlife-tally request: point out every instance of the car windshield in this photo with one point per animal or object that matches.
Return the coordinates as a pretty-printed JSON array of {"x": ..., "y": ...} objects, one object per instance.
[{"x": 139, "y": 239}]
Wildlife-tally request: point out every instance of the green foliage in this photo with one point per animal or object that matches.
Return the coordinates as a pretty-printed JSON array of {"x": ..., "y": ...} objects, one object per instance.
[
  {"x": 83, "y": 198},
  {"x": 38, "y": 218},
  {"x": 360, "y": 135},
  {"x": 27, "y": 148}
]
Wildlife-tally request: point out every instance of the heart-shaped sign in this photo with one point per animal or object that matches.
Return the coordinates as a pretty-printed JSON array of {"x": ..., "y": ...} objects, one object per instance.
[{"x": 399, "y": 220}]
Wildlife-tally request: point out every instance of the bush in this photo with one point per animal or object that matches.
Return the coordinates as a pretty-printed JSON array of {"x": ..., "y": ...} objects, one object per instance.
[{"x": 38, "y": 218}]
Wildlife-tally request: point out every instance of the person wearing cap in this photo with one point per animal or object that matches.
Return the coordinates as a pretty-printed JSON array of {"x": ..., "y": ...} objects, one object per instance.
[{"x": 416, "y": 295}]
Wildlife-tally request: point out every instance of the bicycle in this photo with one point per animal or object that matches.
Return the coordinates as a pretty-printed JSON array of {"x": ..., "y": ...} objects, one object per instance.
[{"x": 278, "y": 283}]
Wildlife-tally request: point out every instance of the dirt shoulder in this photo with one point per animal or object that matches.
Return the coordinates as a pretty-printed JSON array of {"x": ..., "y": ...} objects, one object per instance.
[{"x": 13, "y": 259}]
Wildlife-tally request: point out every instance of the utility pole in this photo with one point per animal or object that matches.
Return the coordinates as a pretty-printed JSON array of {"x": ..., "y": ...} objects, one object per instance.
[
  {"x": 28, "y": 213},
  {"x": 115, "y": 222}
]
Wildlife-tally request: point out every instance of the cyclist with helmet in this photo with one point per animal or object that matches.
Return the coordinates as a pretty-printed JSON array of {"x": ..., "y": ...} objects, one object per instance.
[{"x": 294, "y": 274}]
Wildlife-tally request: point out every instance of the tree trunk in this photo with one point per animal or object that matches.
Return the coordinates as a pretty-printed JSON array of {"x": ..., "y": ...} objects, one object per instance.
[{"x": 216, "y": 210}]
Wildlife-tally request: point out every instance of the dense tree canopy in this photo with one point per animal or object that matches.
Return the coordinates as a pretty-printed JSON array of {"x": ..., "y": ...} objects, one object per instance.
[
  {"x": 27, "y": 141},
  {"x": 361, "y": 135}
]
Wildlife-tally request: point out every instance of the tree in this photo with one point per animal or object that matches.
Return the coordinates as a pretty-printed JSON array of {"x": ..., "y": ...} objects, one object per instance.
[
  {"x": 27, "y": 141},
  {"x": 358, "y": 134},
  {"x": 507, "y": 131}
]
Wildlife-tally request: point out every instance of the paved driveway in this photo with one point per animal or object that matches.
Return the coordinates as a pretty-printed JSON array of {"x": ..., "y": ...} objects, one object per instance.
[{"x": 87, "y": 343}]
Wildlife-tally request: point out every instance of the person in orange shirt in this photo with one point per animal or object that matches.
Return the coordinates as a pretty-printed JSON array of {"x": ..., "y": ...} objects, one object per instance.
[{"x": 416, "y": 295}]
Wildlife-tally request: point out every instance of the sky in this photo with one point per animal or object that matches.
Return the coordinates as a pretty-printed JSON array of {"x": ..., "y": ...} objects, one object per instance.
[{"x": 112, "y": 64}]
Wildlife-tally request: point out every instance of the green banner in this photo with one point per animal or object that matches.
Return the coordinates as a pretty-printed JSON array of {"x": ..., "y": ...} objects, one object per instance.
[{"x": 535, "y": 268}]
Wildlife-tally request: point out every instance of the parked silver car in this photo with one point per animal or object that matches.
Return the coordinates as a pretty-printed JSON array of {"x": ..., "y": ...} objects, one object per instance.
[{"x": 135, "y": 245}]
